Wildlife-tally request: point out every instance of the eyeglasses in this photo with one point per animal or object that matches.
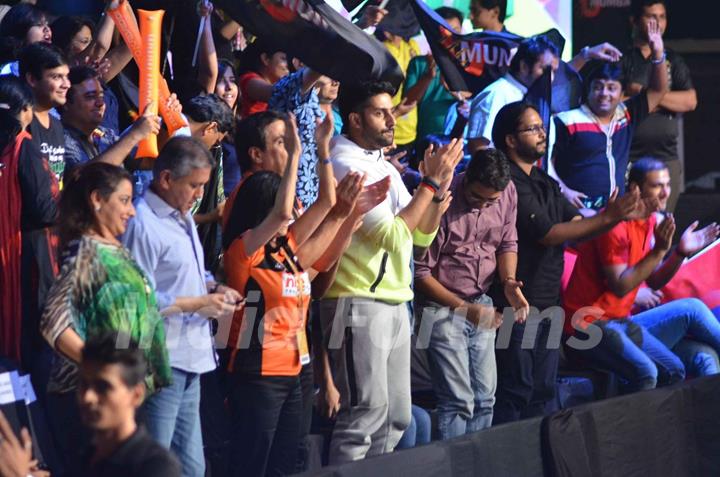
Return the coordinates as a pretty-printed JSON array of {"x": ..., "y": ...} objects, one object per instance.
[{"x": 537, "y": 129}]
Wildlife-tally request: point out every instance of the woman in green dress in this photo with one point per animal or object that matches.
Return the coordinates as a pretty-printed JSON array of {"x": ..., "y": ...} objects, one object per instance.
[{"x": 100, "y": 289}]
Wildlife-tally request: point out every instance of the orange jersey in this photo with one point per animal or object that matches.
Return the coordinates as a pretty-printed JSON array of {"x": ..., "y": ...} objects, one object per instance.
[{"x": 267, "y": 335}]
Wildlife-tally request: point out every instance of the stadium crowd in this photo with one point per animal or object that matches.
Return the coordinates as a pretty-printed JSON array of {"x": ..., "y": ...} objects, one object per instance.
[{"x": 306, "y": 256}]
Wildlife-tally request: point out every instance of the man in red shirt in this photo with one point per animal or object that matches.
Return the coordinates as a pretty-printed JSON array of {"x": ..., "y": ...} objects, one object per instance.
[{"x": 603, "y": 287}]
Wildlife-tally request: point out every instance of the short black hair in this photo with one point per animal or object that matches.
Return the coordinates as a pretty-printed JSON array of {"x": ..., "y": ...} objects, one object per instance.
[
  {"x": 640, "y": 169},
  {"x": 207, "y": 108},
  {"x": 507, "y": 122},
  {"x": 102, "y": 349},
  {"x": 251, "y": 132},
  {"x": 601, "y": 70},
  {"x": 65, "y": 28},
  {"x": 490, "y": 168},
  {"x": 79, "y": 74},
  {"x": 353, "y": 97},
  {"x": 490, "y": 4},
  {"x": 36, "y": 58},
  {"x": 446, "y": 13},
  {"x": 253, "y": 202},
  {"x": 181, "y": 155},
  {"x": 637, "y": 7},
  {"x": 530, "y": 51}
]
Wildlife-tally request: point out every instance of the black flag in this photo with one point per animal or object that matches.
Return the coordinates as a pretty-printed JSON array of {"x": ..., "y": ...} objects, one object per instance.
[
  {"x": 473, "y": 61},
  {"x": 319, "y": 36}
]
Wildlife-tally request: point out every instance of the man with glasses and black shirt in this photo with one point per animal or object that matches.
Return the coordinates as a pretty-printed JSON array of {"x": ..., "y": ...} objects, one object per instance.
[{"x": 545, "y": 221}]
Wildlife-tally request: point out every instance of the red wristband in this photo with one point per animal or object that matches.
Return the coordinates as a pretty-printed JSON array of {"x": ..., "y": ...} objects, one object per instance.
[{"x": 428, "y": 187}]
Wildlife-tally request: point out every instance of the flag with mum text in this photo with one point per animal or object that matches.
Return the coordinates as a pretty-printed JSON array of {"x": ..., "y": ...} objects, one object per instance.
[{"x": 472, "y": 61}]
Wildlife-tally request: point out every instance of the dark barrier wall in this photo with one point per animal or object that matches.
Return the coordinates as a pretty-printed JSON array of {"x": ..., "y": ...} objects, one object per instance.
[{"x": 672, "y": 431}]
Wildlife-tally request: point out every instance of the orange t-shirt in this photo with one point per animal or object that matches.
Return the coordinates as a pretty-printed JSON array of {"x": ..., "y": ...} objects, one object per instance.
[
  {"x": 627, "y": 243},
  {"x": 267, "y": 335}
]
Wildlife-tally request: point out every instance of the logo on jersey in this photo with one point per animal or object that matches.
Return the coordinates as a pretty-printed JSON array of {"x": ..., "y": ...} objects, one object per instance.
[{"x": 291, "y": 284}]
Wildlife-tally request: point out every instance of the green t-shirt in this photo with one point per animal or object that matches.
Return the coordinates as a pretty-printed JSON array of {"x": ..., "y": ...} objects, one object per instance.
[{"x": 434, "y": 104}]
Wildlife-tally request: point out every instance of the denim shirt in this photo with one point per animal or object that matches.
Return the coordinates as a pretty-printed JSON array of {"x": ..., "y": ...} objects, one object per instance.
[{"x": 166, "y": 245}]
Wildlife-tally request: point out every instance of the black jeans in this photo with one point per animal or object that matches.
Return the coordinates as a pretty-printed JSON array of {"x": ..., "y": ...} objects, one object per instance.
[
  {"x": 307, "y": 391},
  {"x": 526, "y": 377},
  {"x": 266, "y": 419}
]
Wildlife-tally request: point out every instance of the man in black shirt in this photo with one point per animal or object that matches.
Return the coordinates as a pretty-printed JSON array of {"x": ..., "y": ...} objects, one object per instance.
[
  {"x": 45, "y": 69},
  {"x": 111, "y": 388},
  {"x": 545, "y": 221},
  {"x": 657, "y": 135}
]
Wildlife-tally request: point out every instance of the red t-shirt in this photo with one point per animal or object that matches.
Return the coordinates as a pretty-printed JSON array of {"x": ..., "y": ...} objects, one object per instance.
[
  {"x": 247, "y": 105},
  {"x": 627, "y": 243}
]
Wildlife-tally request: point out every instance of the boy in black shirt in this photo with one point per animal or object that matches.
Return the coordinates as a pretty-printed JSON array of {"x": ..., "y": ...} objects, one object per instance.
[
  {"x": 45, "y": 69},
  {"x": 40, "y": 167},
  {"x": 111, "y": 388}
]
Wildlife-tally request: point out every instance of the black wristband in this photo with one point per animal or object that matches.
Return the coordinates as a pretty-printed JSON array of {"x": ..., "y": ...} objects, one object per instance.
[{"x": 431, "y": 183}]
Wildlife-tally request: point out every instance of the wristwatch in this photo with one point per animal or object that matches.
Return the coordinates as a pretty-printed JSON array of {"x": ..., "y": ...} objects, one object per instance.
[
  {"x": 585, "y": 52},
  {"x": 660, "y": 61}
]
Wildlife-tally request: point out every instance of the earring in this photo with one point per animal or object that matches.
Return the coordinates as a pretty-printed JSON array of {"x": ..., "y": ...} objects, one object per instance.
[{"x": 97, "y": 209}]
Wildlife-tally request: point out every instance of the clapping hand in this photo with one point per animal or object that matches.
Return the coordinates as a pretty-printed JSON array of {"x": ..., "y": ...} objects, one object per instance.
[{"x": 692, "y": 241}]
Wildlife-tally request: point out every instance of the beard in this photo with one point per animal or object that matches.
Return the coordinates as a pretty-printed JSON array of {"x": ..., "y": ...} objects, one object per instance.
[
  {"x": 381, "y": 139},
  {"x": 530, "y": 154}
]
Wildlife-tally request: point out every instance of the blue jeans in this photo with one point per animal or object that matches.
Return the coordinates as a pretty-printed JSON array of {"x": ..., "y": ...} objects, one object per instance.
[
  {"x": 172, "y": 417},
  {"x": 699, "y": 359},
  {"x": 638, "y": 349},
  {"x": 462, "y": 364},
  {"x": 419, "y": 430}
]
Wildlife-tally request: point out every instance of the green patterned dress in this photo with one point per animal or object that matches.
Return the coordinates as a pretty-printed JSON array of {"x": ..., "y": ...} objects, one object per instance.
[{"x": 102, "y": 289}]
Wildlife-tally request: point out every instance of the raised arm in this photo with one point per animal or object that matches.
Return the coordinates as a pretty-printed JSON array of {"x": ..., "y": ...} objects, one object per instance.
[
  {"x": 347, "y": 191},
  {"x": 438, "y": 168},
  {"x": 281, "y": 212},
  {"x": 658, "y": 80},
  {"x": 603, "y": 52},
  {"x": 370, "y": 197},
  {"x": 116, "y": 154},
  {"x": 308, "y": 222},
  {"x": 207, "y": 57}
]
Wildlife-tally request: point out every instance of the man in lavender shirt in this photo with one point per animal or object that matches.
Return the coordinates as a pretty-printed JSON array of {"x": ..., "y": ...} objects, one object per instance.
[{"x": 476, "y": 238}]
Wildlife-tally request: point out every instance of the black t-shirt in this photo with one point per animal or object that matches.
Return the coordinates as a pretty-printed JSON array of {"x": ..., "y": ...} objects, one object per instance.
[
  {"x": 38, "y": 188},
  {"x": 657, "y": 135},
  {"x": 51, "y": 143},
  {"x": 138, "y": 456},
  {"x": 540, "y": 206}
]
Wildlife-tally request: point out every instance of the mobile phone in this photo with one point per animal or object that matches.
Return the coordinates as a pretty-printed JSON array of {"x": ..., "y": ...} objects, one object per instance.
[{"x": 593, "y": 202}]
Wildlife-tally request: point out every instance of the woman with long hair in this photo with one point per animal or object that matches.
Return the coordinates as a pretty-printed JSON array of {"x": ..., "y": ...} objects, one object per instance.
[
  {"x": 16, "y": 103},
  {"x": 226, "y": 89},
  {"x": 100, "y": 290}
]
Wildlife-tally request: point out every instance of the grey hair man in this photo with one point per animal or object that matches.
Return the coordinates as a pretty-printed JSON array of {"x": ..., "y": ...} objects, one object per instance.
[{"x": 162, "y": 238}]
